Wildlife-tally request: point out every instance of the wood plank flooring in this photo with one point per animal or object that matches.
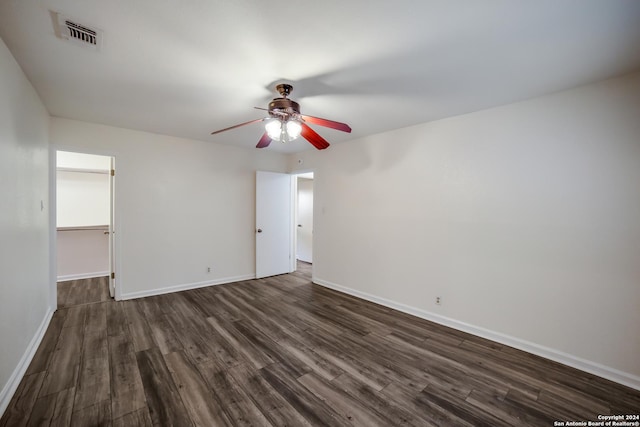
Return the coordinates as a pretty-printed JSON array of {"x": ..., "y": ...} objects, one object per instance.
[
  {"x": 83, "y": 291},
  {"x": 281, "y": 351}
]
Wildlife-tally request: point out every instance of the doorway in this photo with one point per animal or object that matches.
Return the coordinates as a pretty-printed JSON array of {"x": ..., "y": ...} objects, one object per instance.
[
  {"x": 284, "y": 223},
  {"x": 304, "y": 218},
  {"x": 84, "y": 228}
]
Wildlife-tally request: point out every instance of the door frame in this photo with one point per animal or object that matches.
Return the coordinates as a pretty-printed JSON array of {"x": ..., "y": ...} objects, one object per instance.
[
  {"x": 294, "y": 222},
  {"x": 293, "y": 204},
  {"x": 114, "y": 244}
]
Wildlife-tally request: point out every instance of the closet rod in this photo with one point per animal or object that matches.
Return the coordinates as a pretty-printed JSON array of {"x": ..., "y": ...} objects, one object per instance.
[
  {"x": 98, "y": 171},
  {"x": 96, "y": 228}
]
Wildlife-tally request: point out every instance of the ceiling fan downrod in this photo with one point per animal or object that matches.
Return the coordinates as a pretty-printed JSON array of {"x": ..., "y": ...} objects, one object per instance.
[{"x": 284, "y": 89}]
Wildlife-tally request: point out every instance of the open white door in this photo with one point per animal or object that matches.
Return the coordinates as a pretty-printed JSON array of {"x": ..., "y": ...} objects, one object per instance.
[
  {"x": 112, "y": 260},
  {"x": 273, "y": 223}
]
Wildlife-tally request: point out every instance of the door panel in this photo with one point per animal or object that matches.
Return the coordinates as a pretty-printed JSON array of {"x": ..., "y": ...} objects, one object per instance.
[{"x": 273, "y": 223}]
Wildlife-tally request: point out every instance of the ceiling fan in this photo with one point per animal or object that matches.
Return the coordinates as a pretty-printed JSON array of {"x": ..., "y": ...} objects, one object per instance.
[{"x": 285, "y": 123}]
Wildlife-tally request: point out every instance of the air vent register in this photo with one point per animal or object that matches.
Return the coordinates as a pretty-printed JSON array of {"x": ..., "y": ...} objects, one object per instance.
[{"x": 81, "y": 34}]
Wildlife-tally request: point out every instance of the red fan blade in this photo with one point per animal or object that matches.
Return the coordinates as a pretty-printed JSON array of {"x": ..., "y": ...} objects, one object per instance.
[
  {"x": 264, "y": 141},
  {"x": 327, "y": 123},
  {"x": 237, "y": 126},
  {"x": 312, "y": 136}
]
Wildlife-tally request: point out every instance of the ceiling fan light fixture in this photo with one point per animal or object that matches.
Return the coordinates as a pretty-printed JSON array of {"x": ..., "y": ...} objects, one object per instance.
[
  {"x": 294, "y": 128},
  {"x": 274, "y": 129},
  {"x": 283, "y": 131}
]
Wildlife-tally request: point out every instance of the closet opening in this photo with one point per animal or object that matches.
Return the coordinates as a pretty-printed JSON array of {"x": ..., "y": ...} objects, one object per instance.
[{"x": 84, "y": 228}]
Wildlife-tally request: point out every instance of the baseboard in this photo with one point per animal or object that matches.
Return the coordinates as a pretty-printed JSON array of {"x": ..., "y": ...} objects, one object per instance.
[
  {"x": 82, "y": 276},
  {"x": 185, "y": 287},
  {"x": 14, "y": 380},
  {"x": 594, "y": 368}
]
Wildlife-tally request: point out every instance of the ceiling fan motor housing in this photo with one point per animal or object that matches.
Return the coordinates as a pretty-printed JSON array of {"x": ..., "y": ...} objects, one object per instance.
[{"x": 283, "y": 105}]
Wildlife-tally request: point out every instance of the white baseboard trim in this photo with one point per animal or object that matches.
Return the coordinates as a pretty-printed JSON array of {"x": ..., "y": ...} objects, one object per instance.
[
  {"x": 185, "y": 287},
  {"x": 594, "y": 368},
  {"x": 11, "y": 386},
  {"x": 82, "y": 276}
]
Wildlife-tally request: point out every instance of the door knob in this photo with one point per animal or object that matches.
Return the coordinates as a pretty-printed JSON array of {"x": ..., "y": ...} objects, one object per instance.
[{"x": 259, "y": 230}]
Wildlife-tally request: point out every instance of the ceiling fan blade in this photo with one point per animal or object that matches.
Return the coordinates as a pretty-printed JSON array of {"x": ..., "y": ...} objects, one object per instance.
[
  {"x": 264, "y": 141},
  {"x": 237, "y": 126},
  {"x": 327, "y": 123},
  {"x": 312, "y": 136}
]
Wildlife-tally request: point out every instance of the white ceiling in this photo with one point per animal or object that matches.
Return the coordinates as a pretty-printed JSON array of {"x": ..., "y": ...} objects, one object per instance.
[{"x": 186, "y": 68}]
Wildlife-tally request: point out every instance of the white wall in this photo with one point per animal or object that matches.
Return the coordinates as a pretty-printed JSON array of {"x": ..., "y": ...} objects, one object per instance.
[
  {"x": 82, "y": 253},
  {"x": 304, "y": 234},
  {"x": 525, "y": 219},
  {"x": 24, "y": 225},
  {"x": 181, "y": 205},
  {"x": 82, "y": 199}
]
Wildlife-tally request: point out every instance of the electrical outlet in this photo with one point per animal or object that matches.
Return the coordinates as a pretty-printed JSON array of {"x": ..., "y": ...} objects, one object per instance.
[
  {"x": 208, "y": 269},
  {"x": 438, "y": 301}
]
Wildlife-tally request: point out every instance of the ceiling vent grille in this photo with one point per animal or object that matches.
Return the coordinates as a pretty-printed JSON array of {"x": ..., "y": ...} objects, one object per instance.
[{"x": 81, "y": 34}]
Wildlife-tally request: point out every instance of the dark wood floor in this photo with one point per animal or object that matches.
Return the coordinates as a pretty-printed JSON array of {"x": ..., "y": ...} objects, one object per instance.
[
  {"x": 281, "y": 351},
  {"x": 83, "y": 291}
]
